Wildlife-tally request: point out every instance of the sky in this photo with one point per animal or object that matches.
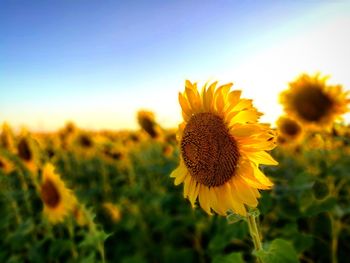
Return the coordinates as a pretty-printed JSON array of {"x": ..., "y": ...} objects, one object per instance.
[{"x": 98, "y": 62}]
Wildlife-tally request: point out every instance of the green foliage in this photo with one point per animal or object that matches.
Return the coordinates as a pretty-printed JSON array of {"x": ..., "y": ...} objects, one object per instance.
[
  {"x": 277, "y": 251},
  {"x": 232, "y": 257},
  {"x": 301, "y": 218}
]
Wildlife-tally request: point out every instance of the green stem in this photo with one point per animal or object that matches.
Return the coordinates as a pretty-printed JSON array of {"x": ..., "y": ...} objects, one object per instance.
[
  {"x": 14, "y": 206},
  {"x": 335, "y": 234},
  {"x": 24, "y": 188},
  {"x": 70, "y": 227},
  {"x": 100, "y": 246},
  {"x": 254, "y": 233}
]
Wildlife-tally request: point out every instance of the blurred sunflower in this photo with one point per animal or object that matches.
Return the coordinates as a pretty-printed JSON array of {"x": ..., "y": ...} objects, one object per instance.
[
  {"x": 7, "y": 137},
  {"x": 58, "y": 200},
  {"x": 113, "y": 211},
  {"x": 26, "y": 152},
  {"x": 80, "y": 215},
  {"x": 314, "y": 103},
  {"x": 289, "y": 129},
  {"x": 147, "y": 122},
  {"x": 5, "y": 165},
  {"x": 85, "y": 140},
  {"x": 221, "y": 148}
]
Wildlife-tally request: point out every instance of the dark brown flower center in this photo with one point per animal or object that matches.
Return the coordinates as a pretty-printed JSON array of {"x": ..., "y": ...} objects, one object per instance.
[
  {"x": 23, "y": 150},
  {"x": 50, "y": 194},
  {"x": 2, "y": 164},
  {"x": 290, "y": 128},
  {"x": 149, "y": 126},
  {"x": 209, "y": 151},
  {"x": 312, "y": 104},
  {"x": 85, "y": 141}
]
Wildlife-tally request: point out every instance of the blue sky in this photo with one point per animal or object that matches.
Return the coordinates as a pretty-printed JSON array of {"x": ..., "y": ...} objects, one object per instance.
[{"x": 98, "y": 62}]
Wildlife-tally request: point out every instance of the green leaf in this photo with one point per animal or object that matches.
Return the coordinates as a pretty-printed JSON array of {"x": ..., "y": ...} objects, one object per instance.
[
  {"x": 233, "y": 257},
  {"x": 320, "y": 190},
  {"x": 278, "y": 251},
  {"x": 302, "y": 242},
  {"x": 320, "y": 206},
  {"x": 225, "y": 235}
]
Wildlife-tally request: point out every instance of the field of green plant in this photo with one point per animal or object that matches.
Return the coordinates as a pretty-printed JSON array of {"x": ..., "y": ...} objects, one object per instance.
[{"x": 128, "y": 209}]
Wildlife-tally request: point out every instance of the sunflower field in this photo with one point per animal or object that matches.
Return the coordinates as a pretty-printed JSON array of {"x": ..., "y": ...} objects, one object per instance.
[{"x": 222, "y": 187}]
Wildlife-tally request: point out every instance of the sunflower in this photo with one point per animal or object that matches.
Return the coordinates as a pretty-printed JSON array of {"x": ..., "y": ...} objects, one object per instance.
[
  {"x": 58, "y": 200},
  {"x": 314, "y": 103},
  {"x": 27, "y": 150},
  {"x": 147, "y": 122},
  {"x": 67, "y": 133},
  {"x": 7, "y": 137},
  {"x": 5, "y": 165},
  {"x": 221, "y": 148},
  {"x": 85, "y": 140},
  {"x": 80, "y": 215},
  {"x": 112, "y": 211},
  {"x": 289, "y": 129}
]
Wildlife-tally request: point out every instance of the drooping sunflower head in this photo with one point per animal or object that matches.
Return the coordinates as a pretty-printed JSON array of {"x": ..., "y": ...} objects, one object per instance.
[
  {"x": 147, "y": 122},
  {"x": 289, "y": 129},
  {"x": 85, "y": 140},
  {"x": 221, "y": 147},
  {"x": 28, "y": 152},
  {"x": 24, "y": 150},
  {"x": 58, "y": 200},
  {"x": 70, "y": 127},
  {"x": 314, "y": 103},
  {"x": 67, "y": 134},
  {"x": 7, "y": 137}
]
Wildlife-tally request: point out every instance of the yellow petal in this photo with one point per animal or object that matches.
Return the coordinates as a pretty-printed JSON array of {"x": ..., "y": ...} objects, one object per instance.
[
  {"x": 256, "y": 192},
  {"x": 231, "y": 200},
  {"x": 208, "y": 99},
  {"x": 244, "y": 193},
  {"x": 238, "y": 206},
  {"x": 247, "y": 130},
  {"x": 178, "y": 171},
  {"x": 184, "y": 105},
  {"x": 219, "y": 101},
  {"x": 261, "y": 176},
  {"x": 204, "y": 89},
  {"x": 194, "y": 100},
  {"x": 214, "y": 202},
  {"x": 243, "y": 104},
  {"x": 224, "y": 197},
  {"x": 179, "y": 174},
  {"x": 187, "y": 184},
  {"x": 233, "y": 98},
  {"x": 246, "y": 116},
  {"x": 188, "y": 84},
  {"x": 218, "y": 204},
  {"x": 245, "y": 171},
  {"x": 179, "y": 179},
  {"x": 220, "y": 96},
  {"x": 204, "y": 199},
  {"x": 261, "y": 157},
  {"x": 185, "y": 117},
  {"x": 254, "y": 145},
  {"x": 194, "y": 191}
]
